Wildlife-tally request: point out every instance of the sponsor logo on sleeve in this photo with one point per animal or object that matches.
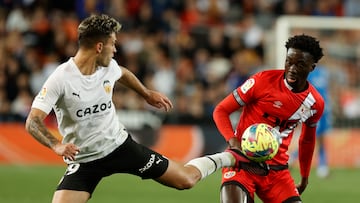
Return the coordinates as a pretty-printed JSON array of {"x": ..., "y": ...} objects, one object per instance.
[
  {"x": 247, "y": 85},
  {"x": 42, "y": 93}
]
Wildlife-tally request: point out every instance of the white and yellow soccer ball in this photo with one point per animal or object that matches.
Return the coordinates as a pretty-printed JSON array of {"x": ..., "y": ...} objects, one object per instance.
[{"x": 260, "y": 142}]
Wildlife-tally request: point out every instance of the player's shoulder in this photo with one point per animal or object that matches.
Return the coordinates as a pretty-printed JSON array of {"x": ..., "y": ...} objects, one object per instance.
[
  {"x": 113, "y": 62},
  {"x": 61, "y": 72},
  {"x": 317, "y": 96},
  {"x": 271, "y": 74},
  {"x": 115, "y": 67},
  {"x": 314, "y": 91},
  {"x": 65, "y": 67}
]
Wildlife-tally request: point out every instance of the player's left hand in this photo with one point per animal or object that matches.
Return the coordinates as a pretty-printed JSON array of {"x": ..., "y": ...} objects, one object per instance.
[
  {"x": 158, "y": 100},
  {"x": 302, "y": 185}
]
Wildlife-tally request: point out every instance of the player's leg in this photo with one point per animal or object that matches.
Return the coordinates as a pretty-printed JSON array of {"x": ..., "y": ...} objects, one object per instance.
[
  {"x": 322, "y": 168},
  {"x": 237, "y": 186},
  {"x": 79, "y": 182},
  {"x": 279, "y": 182},
  {"x": 148, "y": 164},
  {"x": 232, "y": 193},
  {"x": 186, "y": 176},
  {"x": 179, "y": 177},
  {"x": 210, "y": 163},
  {"x": 321, "y": 130},
  {"x": 70, "y": 196}
]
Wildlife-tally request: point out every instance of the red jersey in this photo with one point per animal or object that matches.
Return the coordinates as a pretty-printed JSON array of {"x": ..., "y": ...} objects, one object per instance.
[{"x": 267, "y": 98}]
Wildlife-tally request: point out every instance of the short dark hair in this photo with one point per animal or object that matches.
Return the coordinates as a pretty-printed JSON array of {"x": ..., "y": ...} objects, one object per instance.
[
  {"x": 96, "y": 28},
  {"x": 306, "y": 43}
]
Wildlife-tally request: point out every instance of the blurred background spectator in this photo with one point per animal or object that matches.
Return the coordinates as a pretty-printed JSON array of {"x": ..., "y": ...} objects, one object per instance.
[{"x": 194, "y": 51}]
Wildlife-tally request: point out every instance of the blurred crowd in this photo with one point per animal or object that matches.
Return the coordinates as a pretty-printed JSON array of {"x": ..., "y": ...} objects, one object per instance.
[{"x": 194, "y": 51}]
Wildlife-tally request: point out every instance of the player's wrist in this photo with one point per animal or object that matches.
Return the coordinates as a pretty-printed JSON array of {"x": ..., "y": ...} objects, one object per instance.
[{"x": 233, "y": 142}]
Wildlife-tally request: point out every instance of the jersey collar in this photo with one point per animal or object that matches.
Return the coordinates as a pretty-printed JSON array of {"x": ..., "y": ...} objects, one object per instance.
[{"x": 287, "y": 85}]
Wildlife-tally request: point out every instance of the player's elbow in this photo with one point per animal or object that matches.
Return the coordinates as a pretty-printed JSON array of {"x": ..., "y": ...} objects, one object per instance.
[
  {"x": 34, "y": 121},
  {"x": 218, "y": 114},
  {"x": 30, "y": 123},
  {"x": 27, "y": 124}
]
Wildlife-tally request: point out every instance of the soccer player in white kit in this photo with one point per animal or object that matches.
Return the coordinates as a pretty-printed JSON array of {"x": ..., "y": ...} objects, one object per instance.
[{"x": 95, "y": 144}]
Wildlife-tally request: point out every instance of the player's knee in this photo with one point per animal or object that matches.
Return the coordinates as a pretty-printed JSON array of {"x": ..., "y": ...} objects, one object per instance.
[{"x": 185, "y": 183}]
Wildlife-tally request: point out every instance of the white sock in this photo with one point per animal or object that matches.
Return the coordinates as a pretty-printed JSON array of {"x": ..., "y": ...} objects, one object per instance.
[{"x": 209, "y": 164}]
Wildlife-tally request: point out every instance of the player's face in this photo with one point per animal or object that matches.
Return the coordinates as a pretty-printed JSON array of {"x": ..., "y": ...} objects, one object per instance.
[
  {"x": 107, "y": 51},
  {"x": 298, "y": 65}
]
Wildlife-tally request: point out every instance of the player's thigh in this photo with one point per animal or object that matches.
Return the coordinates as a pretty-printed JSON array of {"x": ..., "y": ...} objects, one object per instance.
[
  {"x": 282, "y": 188},
  {"x": 232, "y": 193},
  {"x": 70, "y": 196},
  {"x": 179, "y": 176}
]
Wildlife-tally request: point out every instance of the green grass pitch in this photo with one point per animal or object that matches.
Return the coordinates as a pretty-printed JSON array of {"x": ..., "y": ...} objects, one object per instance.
[{"x": 35, "y": 184}]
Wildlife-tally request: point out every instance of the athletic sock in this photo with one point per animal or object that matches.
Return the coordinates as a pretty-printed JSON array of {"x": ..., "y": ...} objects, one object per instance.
[{"x": 209, "y": 164}]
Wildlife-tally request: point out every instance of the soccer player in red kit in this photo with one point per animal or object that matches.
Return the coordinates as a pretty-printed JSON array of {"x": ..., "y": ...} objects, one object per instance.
[{"x": 282, "y": 99}]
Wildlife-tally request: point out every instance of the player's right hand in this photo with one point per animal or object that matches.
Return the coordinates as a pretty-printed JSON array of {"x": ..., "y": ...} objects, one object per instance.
[
  {"x": 158, "y": 100},
  {"x": 68, "y": 150},
  {"x": 302, "y": 185},
  {"x": 234, "y": 143}
]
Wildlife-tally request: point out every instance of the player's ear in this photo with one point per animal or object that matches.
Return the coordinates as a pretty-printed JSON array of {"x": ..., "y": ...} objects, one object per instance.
[
  {"x": 99, "y": 47},
  {"x": 313, "y": 66}
]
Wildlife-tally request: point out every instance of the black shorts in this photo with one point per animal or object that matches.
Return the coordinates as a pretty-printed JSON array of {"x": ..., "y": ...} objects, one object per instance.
[{"x": 130, "y": 157}]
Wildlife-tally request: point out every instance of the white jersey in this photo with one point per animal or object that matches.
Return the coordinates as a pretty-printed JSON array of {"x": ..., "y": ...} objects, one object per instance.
[{"x": 84, "y": 109}]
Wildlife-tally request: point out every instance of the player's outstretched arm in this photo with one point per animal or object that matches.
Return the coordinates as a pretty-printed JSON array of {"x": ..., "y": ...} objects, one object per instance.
[
  {"x": 159, "y": 100},
  {"x": 36, "y": 127},
  {"x": 153, "y": 98}
]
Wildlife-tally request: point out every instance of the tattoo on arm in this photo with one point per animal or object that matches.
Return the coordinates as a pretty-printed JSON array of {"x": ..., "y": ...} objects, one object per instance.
[{"x": 38, "y": 130}]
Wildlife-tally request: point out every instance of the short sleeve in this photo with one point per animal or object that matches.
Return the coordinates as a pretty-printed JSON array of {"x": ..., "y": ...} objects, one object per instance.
[{"x": 49, "y": 94}]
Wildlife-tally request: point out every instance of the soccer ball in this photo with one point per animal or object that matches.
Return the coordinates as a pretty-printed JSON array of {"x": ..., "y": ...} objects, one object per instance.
[{"x": 260, "y": 142}]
